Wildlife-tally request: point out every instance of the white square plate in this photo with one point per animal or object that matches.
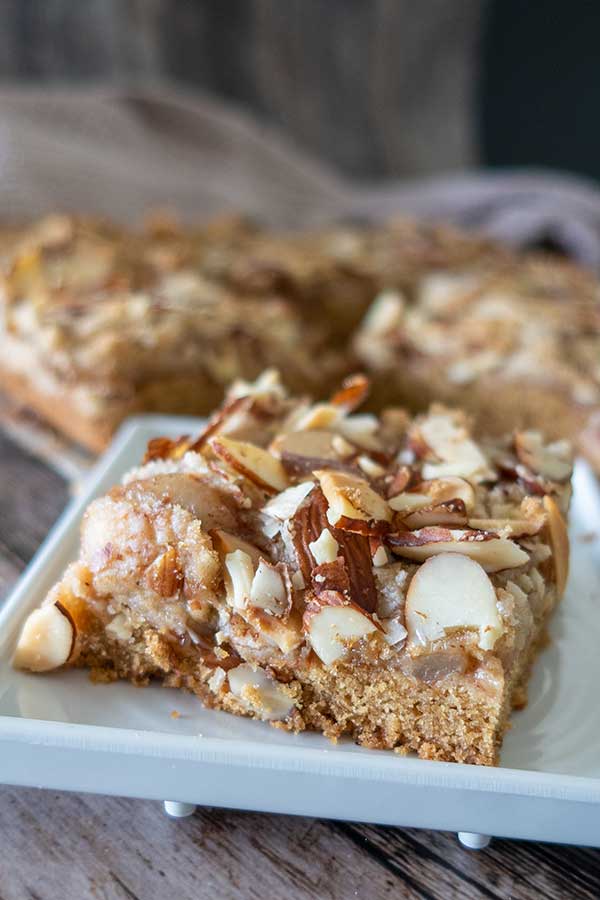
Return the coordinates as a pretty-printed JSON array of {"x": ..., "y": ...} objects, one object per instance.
[{"x": 60, "y": 731}]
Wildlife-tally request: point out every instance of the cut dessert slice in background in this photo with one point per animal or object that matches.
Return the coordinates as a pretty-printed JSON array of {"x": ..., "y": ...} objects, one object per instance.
[
  {"x": 514, "y": 338},
  {"x": 381, "y": 578}
]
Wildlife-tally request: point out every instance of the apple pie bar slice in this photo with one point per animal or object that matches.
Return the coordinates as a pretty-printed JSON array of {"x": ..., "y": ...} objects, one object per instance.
[{"x": 383, "y": 578}]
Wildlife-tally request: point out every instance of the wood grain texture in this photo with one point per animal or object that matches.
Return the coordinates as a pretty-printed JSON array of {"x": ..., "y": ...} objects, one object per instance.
[
  {"x": 59, "y": 846},
  {"x": 379, "y": 88}
]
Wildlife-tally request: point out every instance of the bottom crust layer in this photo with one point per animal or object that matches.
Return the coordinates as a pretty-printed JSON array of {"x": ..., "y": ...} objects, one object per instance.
[{"x": 453, "y": 720}]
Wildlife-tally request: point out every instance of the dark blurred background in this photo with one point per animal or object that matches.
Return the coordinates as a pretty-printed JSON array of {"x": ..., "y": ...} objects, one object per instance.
[{"x": 381, "y": 88}]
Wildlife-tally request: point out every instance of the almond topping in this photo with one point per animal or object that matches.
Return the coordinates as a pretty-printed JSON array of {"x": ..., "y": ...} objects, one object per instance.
[
  {"x": 559, "y": 540},
  {"x": 166, "y": 448},
  {"x": 284, "y": 505},
  {"x": 254, "y": 463},
  {"x": 452, "y": 449},
  {"x": 239, "y": 575},
  {"x": 301, "y": 452},
  {"x": 46, "y": 641},
  {"x": 306, "y": 527},
  {"x": 353, "y": 504},
  {"x": 451, "y": 592},
  {"x": 325, "y": 548},
  {"x": 371, "y": 468},
  {"x": 333, "y": 628},
  {"x": 492, "y": 552},
  {"x": 551, "y": 462},
  {"x": 269, "y": 589},
  {"x": 353, "y": 392},
  {"x": 164, "y": 575}
]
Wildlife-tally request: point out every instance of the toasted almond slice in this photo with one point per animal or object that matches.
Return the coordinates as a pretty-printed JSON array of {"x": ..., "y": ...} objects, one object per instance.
[
  {"x": 394, "y": 631},
  {"x": 559, "y": 541},
  {"x": 269, "y": 590},
  {"x": 307, "y": 525},
  {"x": 332, "y": 629},
  {"x": 371, "y": 468},
  {"x": 259, "y": 692},
  {"x": 384, "y": 315},
  {"x": 239, "y": 575},
  {"x": 353, "y": 392},
  {"x": 451, "y": 592},
  {"x": 164, "y": 575},
  {"x": 451, "y": 513},
  {"x": 284, "y": 505},
  {"x": 225, "y": 543},
  {"x": 254, "y": 463},
  {"x": 434, "y": 492},
  {"x": 285, "y": 633},
  {"x": 381, "y": 557},
  {"x": 362, "y": 430},
  {"x": 492, "y": 552},
  {"x": 166, "y": 448},
  {"x": 46, "y": 641},
  {"x": 325, "y": 549},
  {"x": 454, "y": 452},
  {"x": 342, "y": 447},
  {"x": 353, "y": 504},
  {"x": 319, "y": 416},
  {"x": 301, "y": 452},
  {"x": 540, "y": 459}
]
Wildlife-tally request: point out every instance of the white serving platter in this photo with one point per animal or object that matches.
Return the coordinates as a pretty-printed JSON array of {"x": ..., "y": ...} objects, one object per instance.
[{"x": 62, "y": 732}]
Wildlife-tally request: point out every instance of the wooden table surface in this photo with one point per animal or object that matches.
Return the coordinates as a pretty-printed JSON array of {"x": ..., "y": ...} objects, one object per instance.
[{"x": 58, "y": 846}]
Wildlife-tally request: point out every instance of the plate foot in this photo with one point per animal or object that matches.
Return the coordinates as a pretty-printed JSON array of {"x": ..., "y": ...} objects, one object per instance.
[
  {"x": 179, "y": 810},
  {"x": 473, "y": 841}
]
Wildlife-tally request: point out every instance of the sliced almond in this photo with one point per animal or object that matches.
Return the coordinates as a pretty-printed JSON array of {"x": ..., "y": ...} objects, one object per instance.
[
  {"x": 285, "y": 633},
  {"x": 385, "y": 314},
  {"x": 307, "y": 525},
  {"x": 332, "y": 629},
  {"x": 239, "y": 575},
  {"x": 432, "y": 493},
  {"x": 225, "y": 543},
  {"x": 371, "y": 468},
  {"x": 270, "y": 589},
  {"x": 254, "y": 463},
  {"x": 301, "y": 452},
  {"x": 450, "y": 593},
  {"x": 166, "y": 448},
  {"x": 331, "y": 578},
  {"x": 353, "y": 392},
  {"x": 164, "y": 575},
  {"x": 46, "y": 641},
  {"x": 259, "y": 692},
  {"x": 529, "y": 519},
  {"x": 453, "y": 450},
  {"x": 381, "y": 557},
  {"x": 542, "y": 460},
  {"x": 342, "y": 447},
  {"x": 325, "y": 549},
  {"x": 492, "y": 552},
  {"x": 559, "y": 541},
  {"x": 394, "y": 631},
  {"x": 319, "y": 416},
  {"x": 353, "y": 504},
  {"x": 451, "y": 513},
  {"x": 284, "y": 505},
  {"x": 233, "y": 410},
  {"x": 362, "y": 430}
]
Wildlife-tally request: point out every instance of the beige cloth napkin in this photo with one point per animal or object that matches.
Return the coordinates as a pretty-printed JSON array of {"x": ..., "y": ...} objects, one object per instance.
[{"x": 118, "y": 152}]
